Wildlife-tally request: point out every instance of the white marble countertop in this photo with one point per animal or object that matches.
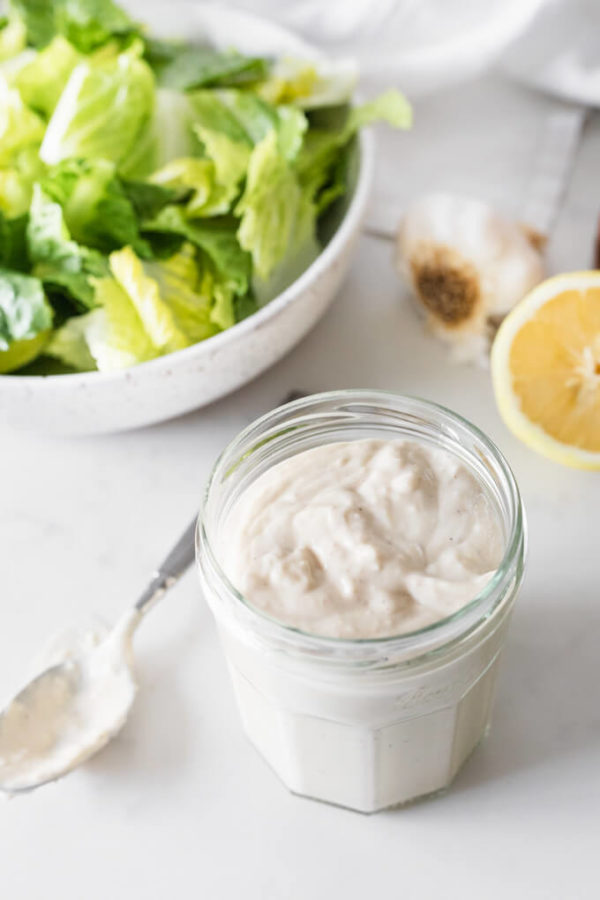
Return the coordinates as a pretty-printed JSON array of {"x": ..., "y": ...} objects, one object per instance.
[{"x": 180, "y": 805}]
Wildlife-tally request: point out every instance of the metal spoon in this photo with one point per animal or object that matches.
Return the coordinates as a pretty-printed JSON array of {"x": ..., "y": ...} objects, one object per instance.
[{"x": 71, "y": 710}]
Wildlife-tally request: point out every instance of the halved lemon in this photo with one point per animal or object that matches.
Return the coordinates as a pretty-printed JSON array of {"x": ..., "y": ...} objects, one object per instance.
[{"x": 546, "y": 369}]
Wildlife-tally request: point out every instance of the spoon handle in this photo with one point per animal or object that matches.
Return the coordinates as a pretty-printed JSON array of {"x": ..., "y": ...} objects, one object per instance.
[
  {"x": 181, "y": 556},
  {"x": 177, "y": 561}
]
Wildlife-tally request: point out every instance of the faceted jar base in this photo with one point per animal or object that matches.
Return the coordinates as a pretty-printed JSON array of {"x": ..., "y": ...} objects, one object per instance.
[{"x": 366, "y": 768}]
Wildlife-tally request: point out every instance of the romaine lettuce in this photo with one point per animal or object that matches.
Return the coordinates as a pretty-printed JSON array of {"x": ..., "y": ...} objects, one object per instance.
[
  {"x": 69, "y": 342},
  {"x": 115, "y": 333},
  {"x": 98, "y": 209},
  {"x": 20, "y": 127},
  {"x": 86, "y": 23},
  {"x": 197, "y": 180},
  {"x": 25, "y": 319},
  {"x": 216, "y": 237},
  {"x": 275, "y": 214},
  {"x": 144, "y": 295},
  {"x": 13, "y": 37},
  {"x": 183, "y": 67},
  {"x": 105, "y": 111},
  {"x": 58, "y": 260},
  {"x": 42, "y": 80},
  {"x": 13, "y": 243},
  {"x": 187, "y": 291},
  {"x": 154, "y": 193}
]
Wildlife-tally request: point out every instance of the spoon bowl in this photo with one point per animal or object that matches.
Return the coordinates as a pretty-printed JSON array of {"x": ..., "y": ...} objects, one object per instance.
[{"x": 68, "y": 712}]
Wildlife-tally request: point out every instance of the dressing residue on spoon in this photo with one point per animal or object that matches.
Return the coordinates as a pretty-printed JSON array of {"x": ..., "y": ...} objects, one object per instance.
[{"x": 77, "y": 703}]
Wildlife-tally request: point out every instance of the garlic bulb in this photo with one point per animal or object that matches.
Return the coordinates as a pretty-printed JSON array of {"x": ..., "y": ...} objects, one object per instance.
[{"x": 468, "y": 266}]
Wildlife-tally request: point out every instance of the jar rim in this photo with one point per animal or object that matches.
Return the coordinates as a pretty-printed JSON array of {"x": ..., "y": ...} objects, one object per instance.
[{"x": 470, "y": 615}]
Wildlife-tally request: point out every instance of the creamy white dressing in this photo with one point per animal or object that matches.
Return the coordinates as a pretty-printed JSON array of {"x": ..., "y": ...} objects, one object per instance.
[
  {"x": 362, "y": 539},
  {"x": 70, "y": 710}
]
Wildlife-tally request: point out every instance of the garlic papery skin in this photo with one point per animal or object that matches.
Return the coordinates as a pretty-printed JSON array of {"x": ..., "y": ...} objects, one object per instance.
[{"x": 468, "y": 265}]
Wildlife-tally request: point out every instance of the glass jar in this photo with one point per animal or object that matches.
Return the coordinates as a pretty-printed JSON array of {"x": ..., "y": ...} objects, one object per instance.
[{"x": 366, "y": 724}]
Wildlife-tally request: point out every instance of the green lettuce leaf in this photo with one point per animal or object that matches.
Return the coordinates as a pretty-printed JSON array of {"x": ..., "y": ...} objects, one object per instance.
[
  {"x": 225, "y": 267},
  {"x": 187, "y": 291},
  {"x": 245, "y": 306},
  {"x": 132, "y": 324},
  {"x": 276, "y": 217},
  {"x": 157, "y": 318},
  {"x": 229, "y": 123},
  {"x": 115, "y": 333},
  {"x": 24, "y": 311},
  {"x": 38, "y": 19},
  {"x": 13, "y": 243},
  {"x": 21, "y": 353},
  {"x": 163, "y": 244},
  {"x": 105, "y": 111},
  {"x": 291, "y": 128},
  {"x": 13, "y": 37},
  {"x": 257, "y": 118},
  {"x": 20, "y": 127},
  {"x": 225, "y": 141},
  {"x": 245, "y": 118},
  {"x": 216, "y": 238},
  {"x": 253, "y": 117},
  {"x": 89, "y": 24},
  {"x": 15, "y": 192},
  {"x": 391, "y": 107},
  {"x": 321, "y": 161},
  {"x": 47, "y": 234},
  {"x": 17, "y": 180},
  {"x": 85, "y": 23},
  {"x": 222, "y": 312},
  {"x": 184, "y": 67},
  {"x": 59, "y": 261},
  {"x": 145, "y": 310},
  {"x": 230, "y": 159},
  {"x": 173, "y": 132},
  {"x": 41, "y": 81},
  {"x": 148, "y": 198},
  {"x": 98, "y": 208},
  {"x": 69, "y": 342},
  {"x": 196, "y": 179}
]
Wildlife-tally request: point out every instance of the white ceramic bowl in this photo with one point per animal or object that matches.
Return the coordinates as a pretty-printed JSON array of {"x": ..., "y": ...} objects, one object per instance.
[{"x": 95, "y": 402}]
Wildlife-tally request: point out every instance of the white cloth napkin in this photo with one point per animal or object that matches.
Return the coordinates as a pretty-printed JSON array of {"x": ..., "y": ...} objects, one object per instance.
[{"x": 560, "y": 52}]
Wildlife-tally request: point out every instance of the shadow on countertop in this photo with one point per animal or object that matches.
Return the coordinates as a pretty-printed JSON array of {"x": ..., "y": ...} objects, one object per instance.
[{"x": 546, "y": 703}]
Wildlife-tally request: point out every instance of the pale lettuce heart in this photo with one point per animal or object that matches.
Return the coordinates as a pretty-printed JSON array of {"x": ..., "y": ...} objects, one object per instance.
[
  {"x": 20, "y": 127},
  {"x": 105, "y": 111},
  {"x": 199, "y": 177},
  {"x": 144, "y": 294},
  {"x": 42, "y": 80},
  {"x": 276, "y": 217},
  {"x": 69, "y": 343},
  {"x": 115, "y": 333},
  {"x": 188, "y": 292},
  {"x": 13, "y": 38},
  {"x": 109, "y": 338}
]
